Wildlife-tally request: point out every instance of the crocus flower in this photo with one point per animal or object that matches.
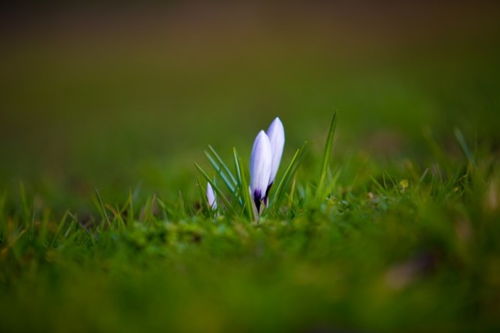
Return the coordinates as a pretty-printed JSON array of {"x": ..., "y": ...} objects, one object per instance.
[
  {"x": 276, "y": 134},
  {"x": 260, "y": 168},
  {"x": 212, "y": 202}
]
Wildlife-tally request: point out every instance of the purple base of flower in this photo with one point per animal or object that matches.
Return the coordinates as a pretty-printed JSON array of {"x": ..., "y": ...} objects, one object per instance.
[{"x": 257, "y": 199}]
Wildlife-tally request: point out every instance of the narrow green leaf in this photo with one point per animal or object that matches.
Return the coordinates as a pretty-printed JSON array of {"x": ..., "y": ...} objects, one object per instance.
[
  {"x": 203, "y": 197},
  {"x": 239, "y": 186},
  {"x": 129, "y": 207},
  {"x": 61, "y": 225},
  {"x": 326, "y": 157},
  {"x": 221, "y": 173},
  {"x": 292, "y": 191},
  {"x": 237, "y": 167},
  {"x": 464, "y": 146},
  {"x": 117, "y": 216},
  {"x": 421, "y": 179},
  {"x": 333, "y": 182},
  {"x": 287, "y": 175},
  {"x": 101, "y": 207},
  {"x": 71, "y": 225},
  {"x": 380, "y": 187},
  {"x": 244, "y": 188},
  {"x": 224, "y": 165}
]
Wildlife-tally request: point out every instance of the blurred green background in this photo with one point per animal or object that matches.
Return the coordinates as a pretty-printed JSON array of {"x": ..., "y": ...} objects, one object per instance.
[{"x": 113, "y": 97}]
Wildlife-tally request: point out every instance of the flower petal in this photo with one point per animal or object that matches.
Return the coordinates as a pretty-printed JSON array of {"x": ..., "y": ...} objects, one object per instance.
[
  {"x": 276, "y": 134},
  {"x": 212, "y": 202},
  {"x": 260, "y": 166}
]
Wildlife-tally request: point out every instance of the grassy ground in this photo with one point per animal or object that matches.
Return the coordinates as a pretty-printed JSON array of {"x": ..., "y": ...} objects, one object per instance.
[
  {"x": 392, "y": 246},
  {"x": 103, "y": 227}
]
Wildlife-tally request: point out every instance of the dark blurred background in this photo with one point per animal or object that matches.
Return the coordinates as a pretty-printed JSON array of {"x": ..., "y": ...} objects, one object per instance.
[{"x": 120, "y": 95}]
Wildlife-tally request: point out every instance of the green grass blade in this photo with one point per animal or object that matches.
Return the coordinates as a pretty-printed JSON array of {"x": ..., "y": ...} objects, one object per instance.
[
  {"x": 60, "y": 226},
  {"x": 74, "y": 221},
  {"x": 424, "y": 174},
  {"x": 237, "y": 167},
  {"x": 101, "y": 207},
  {"x": 117, "y": 216},
  {"x": 379, "y": 186},
  {"x": 292, "y": 191},
  {"x": 326, "y": 157},
  {"x": 333, "y": 182},
  {"x": 224, "y": 165},
  {"x": 245, "y": 193},
  {"x": 287, "y": 175},
  {"x": 221, "y": 173},
  {"x": 239, "y": 177},
  {"x": 203, "y": 197},
  {"x": 464, "y": 146},
  {"x": 129, "y": 208}
]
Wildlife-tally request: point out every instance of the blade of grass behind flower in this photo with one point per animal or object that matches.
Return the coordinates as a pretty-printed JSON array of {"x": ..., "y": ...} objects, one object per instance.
[
  {"x": 221, "y": 172},
  {"x": 224, "y": 165},
  {"x": 238, "y": 177},
  {"x": 245, "y": 193},
  {"x": 288, "y": 174}
]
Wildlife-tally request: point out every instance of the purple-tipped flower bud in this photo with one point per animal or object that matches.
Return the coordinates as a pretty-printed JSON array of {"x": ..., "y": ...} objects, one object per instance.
[
  {"x": 276, "y": 134},
  {"x": 260, "y": 168},
  {"x": 212, "y": 202}
]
